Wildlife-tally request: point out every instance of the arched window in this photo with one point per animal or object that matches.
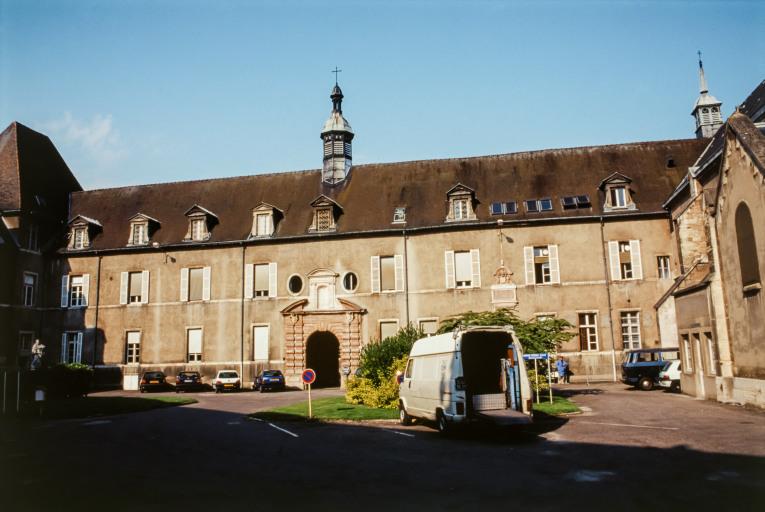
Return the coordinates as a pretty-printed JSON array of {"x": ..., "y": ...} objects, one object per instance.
[{"x": 747, "y": 249}]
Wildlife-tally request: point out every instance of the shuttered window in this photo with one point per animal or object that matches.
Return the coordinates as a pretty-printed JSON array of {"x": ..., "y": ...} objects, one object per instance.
[
  {"x": 387, "y": 273},
  {"x": 260, "y": 337},
  {"x": 196, "y": 280},
  {"x": 625, "y": 260},
  {"x": 541, "y": 264},
  {"x": 194, "y": 340},
  {"x": 462, "y": 269}
]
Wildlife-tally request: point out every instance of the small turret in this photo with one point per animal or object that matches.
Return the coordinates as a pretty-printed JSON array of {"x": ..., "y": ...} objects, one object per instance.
[
  {"x": 337, "y": 136},
  {"x": 706, "y": 110}
]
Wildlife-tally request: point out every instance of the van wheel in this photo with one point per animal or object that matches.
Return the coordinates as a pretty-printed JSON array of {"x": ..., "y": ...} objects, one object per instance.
[
  {"x": 441, "y": 423},
  {"x": 646, "y": 384},
  {"x": 403, "y": 417}
]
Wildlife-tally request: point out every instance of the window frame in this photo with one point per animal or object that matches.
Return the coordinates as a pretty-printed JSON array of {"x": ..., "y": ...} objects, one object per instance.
[
  {"x": 29, "y": 291},
  {"x": 382, "y": 321},
  {"x": 197, "y": 355},
  {"x": 81, "y": 300},
  {"x": 427, "y": 319},
  {"x": 289, "y": 284},
  {"x": 628, "y": 340},
  {"x": 136, "y": 355},
  {"x": 663, "y": 271},
  {"x": 346, "y": 275},
  {"x": 593, "y": 326},
  {"x": 71, "y": 347},
  {"x": 79, "y": 237}
]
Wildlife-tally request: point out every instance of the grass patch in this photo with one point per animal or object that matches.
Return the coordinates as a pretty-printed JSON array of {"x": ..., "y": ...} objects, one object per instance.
[
  {"x": 559, "y": 406},
  {"x": 335, "y": 408},
  {"x": 105, "y": 406}
]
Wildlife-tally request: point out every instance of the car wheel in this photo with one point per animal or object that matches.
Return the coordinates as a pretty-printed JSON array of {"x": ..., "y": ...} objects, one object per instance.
[
  {"x": 674, "y": 387},
  {"x": 143, "y": 390},
  {"x": 262, "y": 389},
  {"x": 403, "y": 417},
  {"x": 442, "y": 423},
  {"x": 646, "y": 384}
]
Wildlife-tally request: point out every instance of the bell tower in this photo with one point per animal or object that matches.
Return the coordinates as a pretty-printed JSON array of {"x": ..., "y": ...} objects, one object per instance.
[
  {"x": 706, "y": 110},
  {"x": 337, "y": 136}
]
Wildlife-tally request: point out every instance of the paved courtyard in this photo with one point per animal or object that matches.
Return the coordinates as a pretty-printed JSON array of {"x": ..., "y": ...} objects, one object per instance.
[{"x": 629, "y": 450}]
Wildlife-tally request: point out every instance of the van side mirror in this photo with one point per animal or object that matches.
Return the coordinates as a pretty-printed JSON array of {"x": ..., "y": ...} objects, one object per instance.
[{"x": 400, "y": 378}]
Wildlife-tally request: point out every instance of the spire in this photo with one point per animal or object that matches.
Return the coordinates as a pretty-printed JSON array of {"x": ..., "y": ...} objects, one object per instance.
[
  {"x": 703, "y": 88},
  {"x": 337, "y": 136},
  {"x": 337, "y": 99}
]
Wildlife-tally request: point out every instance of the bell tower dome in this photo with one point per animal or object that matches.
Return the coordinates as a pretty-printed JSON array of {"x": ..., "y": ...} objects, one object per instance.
[
  {"x": 706, "y": 110},
  {"x": 337, "y": 136}
]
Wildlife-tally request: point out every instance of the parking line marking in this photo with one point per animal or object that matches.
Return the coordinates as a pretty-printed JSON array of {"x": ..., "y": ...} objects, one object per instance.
[
  {"x": 400, "y": 433},
  {"x": 96, "y": 422},
  {"x": 283, "y": 430},
  {"x": 628, "y": 425},
  {"x": 256, "y": 419}
]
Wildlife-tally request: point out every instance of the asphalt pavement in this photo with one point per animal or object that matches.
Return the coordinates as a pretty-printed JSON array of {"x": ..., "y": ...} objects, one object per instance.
[{"x": 628, "y": 450}]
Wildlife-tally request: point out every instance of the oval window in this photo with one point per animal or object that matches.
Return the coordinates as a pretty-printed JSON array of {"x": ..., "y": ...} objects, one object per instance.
[
  {"x": 350, "y": 282},
  {"x": 295, "y": 284}
]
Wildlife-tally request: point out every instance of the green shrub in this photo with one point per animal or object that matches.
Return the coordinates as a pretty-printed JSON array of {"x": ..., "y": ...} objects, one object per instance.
[
  {"x": 377, "y": 358},
  {"x": 69, "y": 380},
  {"x": 382, "y": 393}
]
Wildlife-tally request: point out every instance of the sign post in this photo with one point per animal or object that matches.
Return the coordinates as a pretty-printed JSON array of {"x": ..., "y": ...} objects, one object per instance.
[
  {"x": 535, "y": 358},
  {"x": 549, "y": 377},
  {"x": 309, "y": 377}
]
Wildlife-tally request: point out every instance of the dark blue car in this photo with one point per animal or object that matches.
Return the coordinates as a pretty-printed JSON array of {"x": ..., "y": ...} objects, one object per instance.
[
  {"x": 269, "y": 379},
  {"x": 641, "y": 367}
]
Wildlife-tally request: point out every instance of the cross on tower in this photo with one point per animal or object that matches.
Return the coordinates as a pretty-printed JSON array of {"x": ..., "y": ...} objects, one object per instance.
[
  {"x": 699, "y": 52},
  {"x": 336, "y": 71}
]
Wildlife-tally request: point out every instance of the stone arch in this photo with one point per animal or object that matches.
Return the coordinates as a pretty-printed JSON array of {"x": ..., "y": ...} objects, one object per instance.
[
  {"x": 322, "y": 354},
  {"x": 747, "y": 246}
]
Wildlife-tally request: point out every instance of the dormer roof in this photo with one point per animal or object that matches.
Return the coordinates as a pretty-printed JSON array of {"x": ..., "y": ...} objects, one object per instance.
[
  {"x": 323, "y": 200},
  {"x": 142, "y": 216},
  {"x": 615, "y": 178},
  {"x": 83, "y": 219},
  {"x": 267, "y": 206},
  {"x": 460, "y": 188},
  {"x": 196, "y": 209}
]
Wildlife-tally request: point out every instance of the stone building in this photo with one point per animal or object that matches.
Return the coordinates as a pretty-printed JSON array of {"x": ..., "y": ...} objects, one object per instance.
[
  {"x": 716, "y": 306},
  {"x": 303, "y": 268}
]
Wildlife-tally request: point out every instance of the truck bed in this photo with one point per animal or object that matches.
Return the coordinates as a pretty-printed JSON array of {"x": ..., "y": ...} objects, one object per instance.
[{"x": 503, "y": 417}]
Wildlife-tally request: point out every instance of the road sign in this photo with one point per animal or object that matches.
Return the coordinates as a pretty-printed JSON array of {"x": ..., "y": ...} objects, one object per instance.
[
  {"x": 529, "y": 357},
  {"x": 309, "y": 376}
]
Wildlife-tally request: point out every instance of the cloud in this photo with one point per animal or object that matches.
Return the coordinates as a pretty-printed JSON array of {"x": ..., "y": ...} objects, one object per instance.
[{"x": 96, "y": 139}]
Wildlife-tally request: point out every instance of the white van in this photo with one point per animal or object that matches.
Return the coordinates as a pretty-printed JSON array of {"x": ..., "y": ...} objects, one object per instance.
[{"x": 476, "y": 373}]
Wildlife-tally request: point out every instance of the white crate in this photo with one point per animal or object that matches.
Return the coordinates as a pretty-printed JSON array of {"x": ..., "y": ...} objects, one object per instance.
[{"x": 489, "y": 402}]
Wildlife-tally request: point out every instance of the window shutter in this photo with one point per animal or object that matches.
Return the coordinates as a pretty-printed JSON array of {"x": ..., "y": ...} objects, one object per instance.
[
  {"x": 399, "y": 264},
  {"x": 637, "y": 265},
  {"x": 184, "y": 284},
  {"x": 449, "y": 269},
  {"x": 145, "y": 287},
  {"x": 528, "y": 258},
  {"x": 123, "y": 287},
  {"x": 475, "y": 265},
  {"x": 272, "y": 279},
  {"x": 78, "y": 348},
  {"x": 206, "y": 283},
  {"x": 64, "y": 291},
  {"x": 85, "y": 288},
  {"x": 554, "y": 269},
  {"x": 249, "y": 270},
  {"x": 613, "y": 252},
  {"x": 63, "y": 348},
  {"x": 270, "y": 224},
  {"x": 375, "y": 272}
]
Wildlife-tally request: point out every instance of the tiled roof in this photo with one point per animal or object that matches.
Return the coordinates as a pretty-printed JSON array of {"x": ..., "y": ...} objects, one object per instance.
[
  {"x": 752, "y": 139},
  {"x": 371, "y": 193}
]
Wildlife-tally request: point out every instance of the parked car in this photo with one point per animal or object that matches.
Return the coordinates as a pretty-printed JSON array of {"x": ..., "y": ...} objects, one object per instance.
[
  {"x": 227, "y": 380},
  {"x": 669, "y": 376},
  {"x": 152, "y": 381},
  {"x": 269, "y": 379},
  {"x": 188, "y": 381},
  {"x": 641, "y": 367}
]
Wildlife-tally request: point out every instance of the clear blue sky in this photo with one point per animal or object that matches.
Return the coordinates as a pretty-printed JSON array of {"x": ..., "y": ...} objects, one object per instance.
[{"x": 147, "y": 91}]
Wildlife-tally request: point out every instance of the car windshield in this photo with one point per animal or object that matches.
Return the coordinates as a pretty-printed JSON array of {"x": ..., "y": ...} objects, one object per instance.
[
  {"x": 228, "y": 375},
  {"x": 153, "y": 375},
  {"x": 272, "y": 373},
  {"x": 189, "y": 375}
]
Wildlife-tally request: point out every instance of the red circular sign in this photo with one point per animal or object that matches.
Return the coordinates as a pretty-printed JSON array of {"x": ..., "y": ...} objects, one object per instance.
[{"x": 309, "y": 376}]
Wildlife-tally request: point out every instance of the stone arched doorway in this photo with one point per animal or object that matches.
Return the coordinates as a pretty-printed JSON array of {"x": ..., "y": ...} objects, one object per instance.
[{"x": 322, "y": 354}]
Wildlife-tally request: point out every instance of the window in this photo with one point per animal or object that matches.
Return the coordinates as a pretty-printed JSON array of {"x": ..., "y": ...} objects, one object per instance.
[
  {"x": 194, "y": 343},
  {"x": 139, "y": 234},
  {"x": 260, "y": 280},
  {"x": 747, "y": 251},
  {"x": 541, "y": 264},
  {"x": 80, "y": 238},
  {"x": 506, "y": 208},
  {"x": 630, "y": 321},
  {"x": 295, "y": 284},
  {"x": 428, "y": 326},
  {"x": 712, "y": 370},
  {"x": 399, "y": 215},
  {"x": 350, "y": 282},
  {"x": 264, "y": 224},
  {"x": 133, "y": 347},
  {"x": 260, "y": 342},
  {"x": 618, "y": 197},
  {"x": 541, "y": 317},
  {"x": 688, "y": 354},
  {"x": 134, "y": 287},
  {"x": 324, "y": 219},
  {"x": 388, "y": 328},
  {"x": 195, "y": 284},
  {"x": 460, "y": 207},
  {"x": 71, "y": 347},
  {"x": 30, "y": 289},
  {"x": 662, "y": 263},
  {"x": 77, "y": 296},
  {"x": 387, "y": 273},
  {"x": 463, "y": 269},
  {"x": 197, "y": 229},
  {"x": 625, "y": 260},
  {"x": 588, "y": 331},
  {"x": 538, "y": 205},
  {"x": 571, "y": 202},
  {"x": 583, "y": 201},
  {"x": 33, "y": 237},
  {"x": 26, "y": 340}
]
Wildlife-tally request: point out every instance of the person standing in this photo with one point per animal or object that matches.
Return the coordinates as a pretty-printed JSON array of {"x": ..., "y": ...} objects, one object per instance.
[{"x": 562, "y": 366}]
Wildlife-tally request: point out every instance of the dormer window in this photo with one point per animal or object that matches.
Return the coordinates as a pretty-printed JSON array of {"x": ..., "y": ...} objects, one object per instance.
[
  {"x": 82, "y": 231},
  {"x": 264, "y": 220},
  {"x": 618, "y": 195},
  {"x": 141, "y": 228},
  {"x": 325, "y": 213},
  {"x": 201, "y": 222},
  {"x": 461, "y": 199}
]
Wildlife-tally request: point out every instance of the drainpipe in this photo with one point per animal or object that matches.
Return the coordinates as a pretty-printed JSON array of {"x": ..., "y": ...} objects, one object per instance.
[
  {"x": 241, "y": 322},
  {"x": 98, "y": 300},
  {"x": 608, "y": 294},
  {"x": 406, "y": 275}
]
